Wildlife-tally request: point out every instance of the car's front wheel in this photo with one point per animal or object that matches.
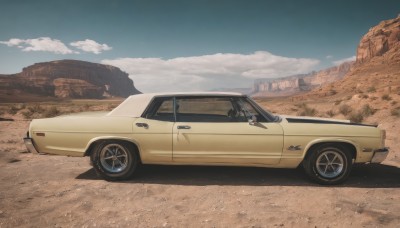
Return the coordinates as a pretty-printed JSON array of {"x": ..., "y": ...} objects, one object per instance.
[
  {"x": 328, "y": 164},
  {"x": 115, "y": 160}
]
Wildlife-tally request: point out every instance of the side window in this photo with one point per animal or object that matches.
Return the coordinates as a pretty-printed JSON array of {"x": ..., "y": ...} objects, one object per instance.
[
  {"x": 247, "y": 110},
  {"x": 205, "y": 109},
  {"x": 161, "y": 109}
]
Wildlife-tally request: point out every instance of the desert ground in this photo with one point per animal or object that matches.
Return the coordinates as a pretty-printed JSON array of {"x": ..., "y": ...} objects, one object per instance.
[{"x": 56, "y": 191}]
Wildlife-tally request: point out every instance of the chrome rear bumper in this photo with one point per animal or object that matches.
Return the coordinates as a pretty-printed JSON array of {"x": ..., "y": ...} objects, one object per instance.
[
  {"x": 380, "y": 155},
  {"x": 30, "y": 146}
]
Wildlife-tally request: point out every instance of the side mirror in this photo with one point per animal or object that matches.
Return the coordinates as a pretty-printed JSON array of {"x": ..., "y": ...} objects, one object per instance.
[{"x": 253, "y": 120}]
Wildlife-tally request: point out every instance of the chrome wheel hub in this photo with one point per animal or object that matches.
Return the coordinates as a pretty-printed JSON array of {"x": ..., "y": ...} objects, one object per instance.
[
  {"x": 114, "y": 158},
  {"x": 330, "y": 164}
]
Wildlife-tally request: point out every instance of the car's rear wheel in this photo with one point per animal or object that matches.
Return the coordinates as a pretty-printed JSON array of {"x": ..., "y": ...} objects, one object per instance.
[
  {"x": 115, "y": 160},
  {"x": 328, "y": 164}
]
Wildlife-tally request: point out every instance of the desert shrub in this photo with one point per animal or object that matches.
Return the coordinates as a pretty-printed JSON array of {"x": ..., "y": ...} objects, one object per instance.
[
  {"x": 1, "y": 113},
  {"x": 110, "y": 107},
  {"x": 356, "y": 117},
  {"x": 395, "y": 112},
  {"x": 393, "y": 102},
  {"x": 366, "y": 111},
  {"x": 332, "y": 92},
  {"x": 86, "y": 107},
  {"x": 337, "y": 102},
  {"x": 27, "y": 114},
  {"x": 301, "y": 105},
  {"x": 36, "y": 108},
  {"x": 21, "y": 106},
  {"x": 13, "y": 110},
  {"x": 51, "y": 112},
  {"x": 345, "y": 109},
  {"x": 373, "y": 98},
  {"x": 330, "y": 113},
  {"x": 307, "y": 111},
  {"x": 349, "y": 97},
  {"x": 371, "y": 89},
  {"x": 386, "y": 97},
  {"x": 363, "y": 96}
]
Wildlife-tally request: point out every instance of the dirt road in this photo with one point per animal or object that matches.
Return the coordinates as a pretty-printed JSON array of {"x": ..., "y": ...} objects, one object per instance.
[{"x": 38, "y": 191}]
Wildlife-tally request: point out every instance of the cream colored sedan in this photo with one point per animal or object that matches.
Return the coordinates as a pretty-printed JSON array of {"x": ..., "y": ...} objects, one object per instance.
[{"x": 207, "y": 129}]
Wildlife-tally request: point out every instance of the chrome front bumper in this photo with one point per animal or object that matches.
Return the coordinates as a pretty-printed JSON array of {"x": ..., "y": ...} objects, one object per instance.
[
  {"x": 380, "y": 155},
  {"x": 30, "y": 146}
]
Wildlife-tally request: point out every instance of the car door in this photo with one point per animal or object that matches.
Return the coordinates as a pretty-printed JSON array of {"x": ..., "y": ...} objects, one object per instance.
[
  {"x": 215, "y": 130},
  {"x": 153, "y": 131}
]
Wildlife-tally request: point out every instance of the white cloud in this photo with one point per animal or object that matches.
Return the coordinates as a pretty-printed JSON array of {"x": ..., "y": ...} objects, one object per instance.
[
  {"x": 328, "y": 56},
  {"x": 340, "y": 61},
  {"x": 40, "y": 44},
  {"x": 90, "y": 46},
  {"x": 209, "y": 71},
  {"x": 12, "y": 42}
]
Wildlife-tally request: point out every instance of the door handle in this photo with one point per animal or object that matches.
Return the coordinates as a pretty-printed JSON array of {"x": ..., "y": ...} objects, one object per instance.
[
  {"x": 183, "y": 127},
  {"x": 144, "y": 125}
]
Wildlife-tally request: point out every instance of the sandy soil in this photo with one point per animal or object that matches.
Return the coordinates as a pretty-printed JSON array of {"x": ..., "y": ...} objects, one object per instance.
[{"x": 38, "y": 191}]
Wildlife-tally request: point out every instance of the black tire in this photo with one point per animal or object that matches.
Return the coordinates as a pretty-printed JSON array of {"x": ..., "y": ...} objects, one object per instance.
[
  {"x": 328, "y": 164},
  {"x": 115, "y": 160}
]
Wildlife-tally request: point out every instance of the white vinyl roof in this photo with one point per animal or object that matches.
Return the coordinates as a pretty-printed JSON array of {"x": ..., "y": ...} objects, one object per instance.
[{"x": 134, "y": 105}]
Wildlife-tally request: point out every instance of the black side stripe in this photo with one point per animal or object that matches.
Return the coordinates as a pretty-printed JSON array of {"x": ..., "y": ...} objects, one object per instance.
[{"x": 293, "y": 120}]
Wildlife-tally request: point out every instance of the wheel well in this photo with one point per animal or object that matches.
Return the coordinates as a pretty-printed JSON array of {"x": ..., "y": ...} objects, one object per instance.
[
  {"x": 347, "y": 146},
  {"x": 93, "y": 145}
]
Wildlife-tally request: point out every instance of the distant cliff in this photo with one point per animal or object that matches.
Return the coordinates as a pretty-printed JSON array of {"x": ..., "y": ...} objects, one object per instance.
[
  {"x": 379, "y": 40},
  {"x": 69, "y": 79},
  {"x": 377, "y": 68},
  {"x": 297, "y": 83}
]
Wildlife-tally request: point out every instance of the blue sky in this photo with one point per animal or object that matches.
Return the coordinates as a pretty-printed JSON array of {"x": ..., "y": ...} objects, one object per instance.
[{"x": 188, "y": 45}]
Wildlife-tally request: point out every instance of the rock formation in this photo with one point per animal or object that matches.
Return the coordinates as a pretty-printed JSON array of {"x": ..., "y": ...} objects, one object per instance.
[
  {"x": 69, "y": 79},
  {"x": 297, "y": 83},
  {"x": 377, "y": 67},
  {"x": 379, "y": 39}
]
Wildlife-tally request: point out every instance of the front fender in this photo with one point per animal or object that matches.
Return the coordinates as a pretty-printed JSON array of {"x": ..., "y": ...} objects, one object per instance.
[{"x": 330, "y": 140}]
